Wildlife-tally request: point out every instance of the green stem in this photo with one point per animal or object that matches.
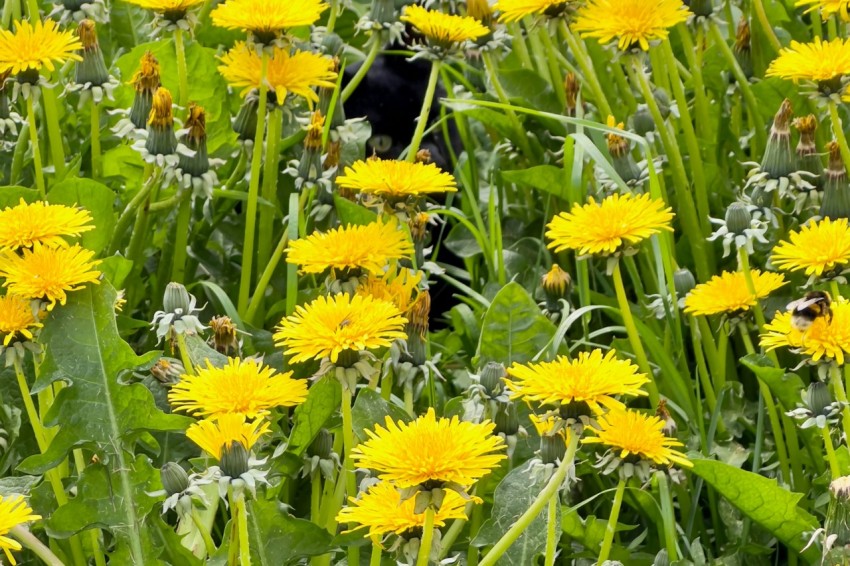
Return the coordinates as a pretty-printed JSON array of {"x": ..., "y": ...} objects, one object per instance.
[
  {"x": 202, "y": 529},
  {"x": 834, "y": 468},
  {"x": 23, "y": 535},
  {"x": 36, "y": 151},
  {"x": 181, "y": 238},
  {"x": 332, "y": 16},
  {"x": 425, "y": 111},
  {"x": 634, "y": 336},
  {"x": 840, "y": 393},
  {"x": 838, "y": 131},
  {"x": 182, "y": 72},
  {"x": 542, "y": 499},
  {"x": 589, "y": 74},
  {"x": 375, "y": 558},
  {"x": 269, "y": 191},
  {"x": 96, "y": 170},
  {"x": 374, "y": 50},
  {"x": 184, "y": 355},
  {"x": 427, "y": 537},
  {"x": 519, "y": 46},
  {"x": 265, "y": 278},
  {"x": 32, "y": 11},
  {"x": 348, "y": 464},
  {"x": 493, "y": 74},
  {"x": 693, "y": 54},
  {"x": 253, "y": 193},
  {"x": 761, "y": 16},
  {"x": 408, "y": 399},
  {"x": 611, "y": 527},
  {"x": 668, "y": 516},
  {"x": 54, "y": 132},
  {"x": 129, "y": 214},
  {"x": 552, "y": 531},
  {"x": 242, "y": 524}
]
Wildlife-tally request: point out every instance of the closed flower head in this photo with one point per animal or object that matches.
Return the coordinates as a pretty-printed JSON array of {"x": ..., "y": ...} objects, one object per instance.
[
  {"x": 396, "y": 179},
  {"x": 331, "y": 325},
  {"x": 245, "y": 387},
  {"x": 14, "y": 511},
  {"x": 297, "y": 73},
  {"x": 606, "y": 227},
  {"x": 381, "y": 511},
  {"x": 591, "y": 381},
  {"x": 728, "y": 292},
  {"x": 49, "y": 273},
  {"x": 431, "y": 451},
  {"x": 27, "y": 224},
  {"x": 214, "y": 433},
  {"x": 368, "y": 248},
  {"x": 633, "y": 435},
  {"x": 818, "y": 247},
  {"x": 633, "y": 23},
  {"x": 31, "y": 47}
]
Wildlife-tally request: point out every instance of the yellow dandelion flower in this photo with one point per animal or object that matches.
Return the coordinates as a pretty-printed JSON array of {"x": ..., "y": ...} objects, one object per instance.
[
  {"x": 171, "y": 9},
  {"x": 244, "y": 387},
  {"x": 819, "y": 61},
  {"x": 34, "y": 47},
  {"x": 267, "y": 17},
  {"x": 330, "y": 325},
  {"x": 382, "y": 511},
  {"x": 297, "y": 73},
  {"x": 443, "y": 29},
  {"x": 817, "y": 247},
  {"x": 825, "y": 338},
  {"x": 16, "y": 318},
  {"x": 14, "y": 511},
  {"x": 550, "y": 426},
  {"x": 631, "y": 433},
  {"x": 603, "y": 228},
  {"x": 213, "y": 434},
  {"x": 49, "y": 273},
  {"x": 397, "y": 179},
  {"x": 827, "y": 8},
  {"x": 632, "y": 22},
  {"x": 591, "y": 378},
  {"x": 515, "y": 10},
  {"x": 728, "y": 292},
  {"x": 446, "y": 450},
  {"x": 368, "y": 247},
  {"x": 23, "y": 225},
  {"x": 400, "y": 288}
]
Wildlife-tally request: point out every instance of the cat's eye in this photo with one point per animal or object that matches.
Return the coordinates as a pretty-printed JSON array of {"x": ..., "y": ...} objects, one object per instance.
[{"x": 381, "y": 143}]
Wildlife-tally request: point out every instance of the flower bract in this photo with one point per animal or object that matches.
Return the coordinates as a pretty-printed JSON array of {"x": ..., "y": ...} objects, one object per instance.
[
  {"x": 330, "y": 325},
  {"x": 728, "y": 292},
  {"x": 369, "y": 248},
  {"x": 633, "y": 23},
  {"x": 23, "y": 225},
  {"x": 245, "y": 387},
  {"x": 593, "y": 378},
  {"x": 605, "y": 227},
  {"x": 446, "y": 451}
]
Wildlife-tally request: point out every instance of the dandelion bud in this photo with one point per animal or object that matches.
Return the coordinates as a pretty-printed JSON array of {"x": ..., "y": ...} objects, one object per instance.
[
  {"x": 176, "y": 299},
  {"x": 417, "y": 327},
  {"x": 245, "y": 123},
  {"x": 552, "y": 448},
  {"x": 161, "y": 139},
  {"x": 145, "y": 82},
  {"x": 556, "y": 284},
  {"x": 836, "y": 192},
  {"x": 310, "y": 166},
  {"x": 92, "y": 68},
  {"x": 571, "y": 90},
  {"x": 174, "y": 478},
  {"x": 618, "y": 148},
  {"x": 642, "y": 120},
  {"x": 807, "y": 152},
  {"x": 506, "y": 419},
  {"x": 818, "y": 398},
  {"x": 683, "y": 281},
  {"x": 700, "y": 8},
  {"x": 224, "y": 335},
  {"x": 196, "y": 140},
  {"x": 382, "y": 12},
  {"x": 742, "y": 50},
  {"x": 323, "y": 445},
  {"x": 333, "y": 154},
  {"x": 234, "y": 460},
  {"x": 738, "y": 218},
  {"x": 491, "y": 378},
  {"x": 167, "y": 370},
  {"x": 778, "y": 158}
]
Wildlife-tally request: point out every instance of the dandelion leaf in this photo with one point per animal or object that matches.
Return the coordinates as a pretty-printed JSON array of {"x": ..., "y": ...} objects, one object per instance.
[{"x": 278, "y": 538}]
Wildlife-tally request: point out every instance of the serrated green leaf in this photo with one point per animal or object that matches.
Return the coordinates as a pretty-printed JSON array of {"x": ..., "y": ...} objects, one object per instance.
[
  {"x": 323, "y": 400},
  {"x": 277, "y": 538},
  {"x": 786, "y": 386},
  {"x": 762, "y": 500},
  {"x": 353, "y": 213},
  {"x": 371, "y": 409},
  {"x": 200, "y": 352},
  {"x": 17, "y": 485},
  {"x": 514, "y": 329},
  {"x": 95, "y": 197}
]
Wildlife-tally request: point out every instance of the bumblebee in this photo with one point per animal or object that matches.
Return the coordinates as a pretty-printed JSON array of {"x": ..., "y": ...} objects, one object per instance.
[{"x": 813, "y": 305}]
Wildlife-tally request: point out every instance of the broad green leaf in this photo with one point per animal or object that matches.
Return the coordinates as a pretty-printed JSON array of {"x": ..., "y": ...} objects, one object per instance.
[
  {"x": 786, "y": 386},
  {"x": 371, "y": 409},
  {"x": 546, "y": 178},
  {"x": 173, "y": 552},
  {"x": 531, "y": 89},
  {"x": 17, "y": 485},
  {"x": 352, "y": 213},
  {"x": 278, "y": 538},
  {"x": 762, "y": 500},
  {"x": 323, "y": 400},
  {"x": 10, "y": 196},
  {"x": 200, "y": 352},
  {"x": 116, "y": 269},
  {"x": 512, "y": 498},
  {"x": 98, "y": 199},
  {"x": 514, "y": 329},
  {"x": 83, "y": 348}
]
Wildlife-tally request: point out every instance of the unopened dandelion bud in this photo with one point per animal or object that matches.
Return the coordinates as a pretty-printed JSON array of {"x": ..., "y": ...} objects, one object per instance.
[
  {"x": 700, "y": 7},
  {"x": 506, "y": 419},
  {"x": 836, "y": 192},
  {"x": 196, "y": 140},
  {"x": 234, "y": 460},
  {"x": 224, "y": 337},
  {"x": 418, "y": 224},
  {"x": 619, "y": 149},
  {"x": 807, "y": 152},
  {"x": 245, "y": 123},
  {"x": 642, "y": 121},
  {"x": 552, "y": 448},
  {"x": 176, "y": 299},
  {"x": 382, "y": 12},
  {"x": 174, "y": 478},
  {"x": 92, "y": 68},
  {"x": 571, "y": 90},
  {"x": 683, "y": 281},
  {"x": 662, "y": 99},
  {"x": 145, "y": 82},
  {"x": 310, "y": 166},
  {"x": 738, "y": 218},
  {"x": 323, "y": 445},
  {"x": 492, "y": 377},
  {"x": 818, "y": 398},
  {"x": 333, "y": 154},
  {"x": 742, "y": 49},
  {"x": 778, "y": 159},
  {"x": 161, "y": 139},
  {"x": 556, "y": 283}
]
